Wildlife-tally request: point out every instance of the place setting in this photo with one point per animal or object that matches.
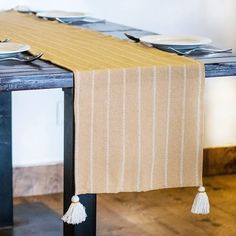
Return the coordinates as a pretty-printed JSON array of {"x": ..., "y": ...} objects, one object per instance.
[
  {"x": 65, "y": 17},
  {"x": 11, "y": 51},
  {"x": 81, "y": 19},
  {"x": 190, "y": 46},
  {"x": 184, "y": 45}
]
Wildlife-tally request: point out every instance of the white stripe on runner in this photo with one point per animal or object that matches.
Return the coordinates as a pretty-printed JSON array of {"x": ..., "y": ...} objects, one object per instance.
[
  {"x": 183, "y": 127},
  {"x": 153, "y": 125},
  {"x": 123, "y": 132},
  {"x": 198, "y": 124},
  {"x": 108, "y": 129},
  {"x": 91, "y": 132},
  {"x": 139, "y": 129},
  {"x": 167, "y": 128},
  {"x": 77, "y": 119}
]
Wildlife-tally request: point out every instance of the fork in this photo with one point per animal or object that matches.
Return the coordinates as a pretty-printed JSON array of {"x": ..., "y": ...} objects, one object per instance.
[
  {"x": 23, "y": 59},
  {"x": 209, "y": 50},
  {"x": 185, "y": 52}
]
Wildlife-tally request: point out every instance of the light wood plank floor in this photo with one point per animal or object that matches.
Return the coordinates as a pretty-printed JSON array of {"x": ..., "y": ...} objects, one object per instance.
[{"x": 161, "y": 212}]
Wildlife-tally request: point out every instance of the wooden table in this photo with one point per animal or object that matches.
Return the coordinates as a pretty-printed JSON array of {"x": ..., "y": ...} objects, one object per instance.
[{"x": 15, "y": 76}]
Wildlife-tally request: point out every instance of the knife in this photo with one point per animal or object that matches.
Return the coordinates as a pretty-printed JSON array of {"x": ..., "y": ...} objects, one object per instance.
[{"x": 135, "y": 39}]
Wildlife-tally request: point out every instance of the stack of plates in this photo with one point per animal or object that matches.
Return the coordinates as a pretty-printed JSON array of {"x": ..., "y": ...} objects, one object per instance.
[
  {"x": 176, "y": 42},
  {"x": 52, "y": 15}
]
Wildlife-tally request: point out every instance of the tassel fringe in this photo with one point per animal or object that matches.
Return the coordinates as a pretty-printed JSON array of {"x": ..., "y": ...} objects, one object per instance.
[
  {"x": 201, "y": 202},
  {"x": 76, "y": 213}
]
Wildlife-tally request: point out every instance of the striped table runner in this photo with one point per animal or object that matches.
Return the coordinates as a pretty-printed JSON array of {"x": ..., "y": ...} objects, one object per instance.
[{"x": 138, "y": 110}]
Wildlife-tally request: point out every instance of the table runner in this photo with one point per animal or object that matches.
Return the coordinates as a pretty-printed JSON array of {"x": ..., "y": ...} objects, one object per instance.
[{"x": 138, "y": 110}]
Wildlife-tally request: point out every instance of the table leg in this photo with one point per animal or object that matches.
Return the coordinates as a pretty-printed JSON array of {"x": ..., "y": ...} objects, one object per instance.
[
  {"x": 87, "y": 228},
  {"x": 6, "y": 198}
]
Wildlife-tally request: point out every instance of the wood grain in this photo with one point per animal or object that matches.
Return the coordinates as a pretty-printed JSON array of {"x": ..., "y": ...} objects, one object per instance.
[
  {"x": 161, "y": 212},
  {"x": 215, "y": 68},
  {"x": 39, "y": 74},
  {"x": 219, "y": 161},
  {"x": 37, "y": 180}
]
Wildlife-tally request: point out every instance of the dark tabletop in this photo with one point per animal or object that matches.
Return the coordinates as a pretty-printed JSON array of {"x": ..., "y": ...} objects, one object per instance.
[{"x": 44, "y": 75}]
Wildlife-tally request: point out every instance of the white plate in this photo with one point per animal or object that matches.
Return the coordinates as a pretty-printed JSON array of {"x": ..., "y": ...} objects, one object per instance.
[
  {"x": 7, "y": 48},
  {"x": 176, "y": 41},
  {"x": 22, "y": 8},
  {"x": 26, "y": 9},
  {"x": 60, "y": 14}
]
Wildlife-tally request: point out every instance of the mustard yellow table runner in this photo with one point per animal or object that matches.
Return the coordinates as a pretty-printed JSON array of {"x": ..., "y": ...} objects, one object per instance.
[{"x": 138, "y": 110}]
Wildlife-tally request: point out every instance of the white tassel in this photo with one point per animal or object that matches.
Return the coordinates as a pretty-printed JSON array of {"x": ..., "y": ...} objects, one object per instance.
[
  {"x": 201, "y": 202},
  {"x": 76, "y": 213}
]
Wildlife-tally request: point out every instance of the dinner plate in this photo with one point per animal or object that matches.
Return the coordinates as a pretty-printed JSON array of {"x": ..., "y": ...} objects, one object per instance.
[
  {"x": 27, "y": 9},
  {"x": 22, "y": 8},
  {"x": 8, "y": 48},
  {"x": 175, "y": 41},
  {"x": 61, "y": 14}
]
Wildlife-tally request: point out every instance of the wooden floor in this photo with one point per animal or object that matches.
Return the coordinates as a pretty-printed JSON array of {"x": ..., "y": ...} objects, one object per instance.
[{"x": 159, "y": 213}]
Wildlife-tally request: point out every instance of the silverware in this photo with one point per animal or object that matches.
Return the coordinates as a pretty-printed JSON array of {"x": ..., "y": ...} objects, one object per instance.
[
  {"x": 200, "y": 49},
  {"x": 184, "y": 52},
  {"x": 86, "y": 21},
  {"x": 5, "y": 40},
  {"x": 135, "y": 39},
  {"x": 22, "y": 58}
]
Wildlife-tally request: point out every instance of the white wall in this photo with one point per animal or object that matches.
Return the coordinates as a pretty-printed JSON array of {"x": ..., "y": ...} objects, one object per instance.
[
  {"x": 37, "y": 126},
  {"x": 220, "y": 112},
  {"x": 6, "y": 5},
  {"x": 212, "y": 18}
]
